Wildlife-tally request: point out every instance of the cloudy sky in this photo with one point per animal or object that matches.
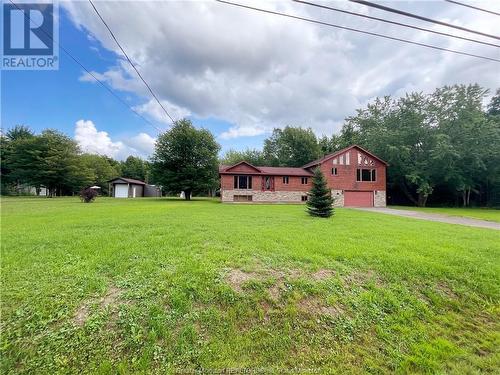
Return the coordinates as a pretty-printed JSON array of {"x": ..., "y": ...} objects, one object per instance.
[{"x": 235, "y": 71}]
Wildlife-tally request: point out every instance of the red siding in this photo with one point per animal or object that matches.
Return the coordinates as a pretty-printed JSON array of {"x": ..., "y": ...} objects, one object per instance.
[
  {"x": 346, "y": 174},
  {"x": 294, "y": 183}
]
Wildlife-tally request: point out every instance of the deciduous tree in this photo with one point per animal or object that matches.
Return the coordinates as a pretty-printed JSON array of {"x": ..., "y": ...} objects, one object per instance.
[
  {"x": 135, "y": 167},
  {"x": 291, "y": 147},
  {"x": 185, "y": 159},
  {"x": 252, "y": 156}
]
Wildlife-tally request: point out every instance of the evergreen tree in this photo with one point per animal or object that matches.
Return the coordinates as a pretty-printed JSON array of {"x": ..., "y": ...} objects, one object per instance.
[{"x": 320, "y": 202}]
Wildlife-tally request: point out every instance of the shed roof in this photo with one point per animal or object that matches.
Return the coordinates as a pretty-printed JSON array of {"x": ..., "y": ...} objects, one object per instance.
[{"x": 127, "y": 181}]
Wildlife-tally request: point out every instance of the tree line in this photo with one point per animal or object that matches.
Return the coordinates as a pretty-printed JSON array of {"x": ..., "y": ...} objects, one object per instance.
[
  {"x": 54, "y": 161},
  {"x": 442, "y": 148}
]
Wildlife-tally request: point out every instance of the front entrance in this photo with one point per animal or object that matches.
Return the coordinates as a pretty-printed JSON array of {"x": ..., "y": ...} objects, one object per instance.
[
  {"x": 268, "y": 183},
  {"x": 358, "y": 199}
]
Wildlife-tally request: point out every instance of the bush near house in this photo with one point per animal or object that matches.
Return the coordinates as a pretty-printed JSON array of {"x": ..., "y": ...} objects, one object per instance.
[{"x": 88, "y": 195}]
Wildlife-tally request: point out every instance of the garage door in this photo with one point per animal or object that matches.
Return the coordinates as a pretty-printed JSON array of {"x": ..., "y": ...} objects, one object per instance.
[
  {"x": 358, "y": 199},
  {"x": 121, "y": 191}
]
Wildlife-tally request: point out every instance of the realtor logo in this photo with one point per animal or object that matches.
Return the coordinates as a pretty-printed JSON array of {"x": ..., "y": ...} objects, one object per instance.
[{"x": 30, "y": 35}]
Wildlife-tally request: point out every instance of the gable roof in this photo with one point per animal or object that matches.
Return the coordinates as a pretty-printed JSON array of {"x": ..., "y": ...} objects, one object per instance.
[
  {"x": 228, "y": 167},
  {"x": 274, "y": 171},
  {"x": 336, "y": 153},
  {"x": 128, "y": 180}
]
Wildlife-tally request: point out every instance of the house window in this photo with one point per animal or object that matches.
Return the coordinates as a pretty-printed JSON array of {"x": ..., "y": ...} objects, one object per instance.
[
  {"x": 242, "y": 182},
  {"x": 366, "y": 175},
  {"x": 242, "y": 198},
  {"x": 334, "y": 171},
  {"x": 303, "y": 180},
  {"x": 285, "y": 180},
  {"x": 303, "y": 198}
]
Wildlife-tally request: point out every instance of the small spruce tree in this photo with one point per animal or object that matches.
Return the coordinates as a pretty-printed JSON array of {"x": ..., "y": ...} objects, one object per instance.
[{"x": 320, "y": 201}]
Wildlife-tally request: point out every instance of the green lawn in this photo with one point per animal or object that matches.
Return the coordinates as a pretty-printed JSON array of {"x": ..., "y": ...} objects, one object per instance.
[
  {"x": 158, "y": 286},
  {"x": 489, "y": 214}
]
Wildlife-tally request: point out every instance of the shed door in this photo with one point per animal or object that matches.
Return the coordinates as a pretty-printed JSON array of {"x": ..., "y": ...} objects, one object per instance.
[
  {"x": 358, "y": 199},
  {"x": 121, "y": 191}
]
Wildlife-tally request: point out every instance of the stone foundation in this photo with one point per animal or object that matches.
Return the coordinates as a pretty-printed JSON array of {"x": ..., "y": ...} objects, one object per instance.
[
  {"x": 259, "y": 196},
  {"x": 338, "y": 196},
  {"x": 379, "y": 198}
]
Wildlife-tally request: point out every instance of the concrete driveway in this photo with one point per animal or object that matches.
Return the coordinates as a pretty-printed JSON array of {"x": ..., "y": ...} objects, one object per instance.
[{"x": 434, "y": 217}]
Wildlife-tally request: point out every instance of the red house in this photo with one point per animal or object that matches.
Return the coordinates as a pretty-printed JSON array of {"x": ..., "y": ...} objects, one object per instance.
[{"x": 356, "y": 177}]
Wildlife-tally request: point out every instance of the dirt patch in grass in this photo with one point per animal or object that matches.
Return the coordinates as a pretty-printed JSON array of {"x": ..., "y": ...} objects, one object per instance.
[
  {"x": 445, "y": 290},
  {"x": 81, "y": 315},
  {"x": 323, "y": 274},
  {"x": 109, "y": 299},
  {"x": 361, "y": 278},
  {"x": 317, "y": 306},
  {"x": 236, "y": 278}
]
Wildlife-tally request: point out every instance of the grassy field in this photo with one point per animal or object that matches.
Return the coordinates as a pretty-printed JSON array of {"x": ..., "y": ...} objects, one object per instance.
[
  {"x": 489, "y": 214},
  {"x": 159, "y": 286}
]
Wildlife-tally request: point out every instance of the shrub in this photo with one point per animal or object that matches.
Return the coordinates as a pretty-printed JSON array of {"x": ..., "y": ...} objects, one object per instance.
[
  {"x": 320, "y": 201},
  {"x": 88, "y": 195}
]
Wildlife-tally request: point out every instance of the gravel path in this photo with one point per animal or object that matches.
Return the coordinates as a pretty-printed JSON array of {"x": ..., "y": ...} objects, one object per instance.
[{"x": 435, "y": 217}]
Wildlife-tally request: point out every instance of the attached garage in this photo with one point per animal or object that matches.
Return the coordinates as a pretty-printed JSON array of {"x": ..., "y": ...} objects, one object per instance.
[{"x": 358, "y": 198}]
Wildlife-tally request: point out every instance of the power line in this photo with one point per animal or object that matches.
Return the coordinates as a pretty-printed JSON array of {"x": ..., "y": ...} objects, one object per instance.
[
  {"x": 130, "y": 62},
  {"x": 473, "y": 7},
  {"x": 407, "y": 14},
  {"x": 395, "y": 23},
  {"x": 88, "y": 71},
  {"x": 356, "y": 30}
]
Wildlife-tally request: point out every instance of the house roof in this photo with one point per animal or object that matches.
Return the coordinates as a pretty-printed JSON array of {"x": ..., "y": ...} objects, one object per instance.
[
  {"x": 285, "y": 171},
  {"x": 332, "y": 155},
  {"x": 274, "y": 171},
  {"x": 128, "y": 180}
]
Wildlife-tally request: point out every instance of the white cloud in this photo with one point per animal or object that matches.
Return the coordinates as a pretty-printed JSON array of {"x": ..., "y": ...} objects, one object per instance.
[
  {"x": 261, "y": 71},
  {"x": 153, "y": 109},
  {"x": 143, "y": 143},
  {"x": 92, "y": 141},
  {"x": 243, "y": 131},
  {"x": 99, "y": 142}
]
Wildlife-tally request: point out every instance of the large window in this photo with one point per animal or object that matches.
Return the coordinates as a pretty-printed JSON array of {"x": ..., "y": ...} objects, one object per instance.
[
  {"x": 242, "y": 182},
  {"x": 366, "y": 175}
]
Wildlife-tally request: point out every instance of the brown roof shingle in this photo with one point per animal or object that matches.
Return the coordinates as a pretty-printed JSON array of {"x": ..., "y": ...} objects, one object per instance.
[{"x": 275, "y": 171}]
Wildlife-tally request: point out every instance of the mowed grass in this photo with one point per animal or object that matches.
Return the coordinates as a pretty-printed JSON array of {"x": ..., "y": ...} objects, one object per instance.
[
  {"x": 160, "y": 286},
  {"x": 490, "y": 214}
]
